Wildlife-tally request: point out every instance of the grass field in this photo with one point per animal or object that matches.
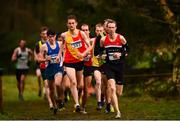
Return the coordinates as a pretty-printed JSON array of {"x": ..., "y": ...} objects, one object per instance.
[{"x": 144, "y": 107}]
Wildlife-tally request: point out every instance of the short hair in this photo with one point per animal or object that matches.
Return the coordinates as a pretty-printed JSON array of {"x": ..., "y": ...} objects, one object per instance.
[
  {"x": 106, "y": 20},
  {"x": 112, "y": 21},
  {"x": 51, "y": 32},
  {"x": 22, "y": 40},
  {"x": 85, "y": 24},
  {"x": 72, "y": 17},
  {"x": 43, "y": 28},
  {"x": 99, "y": 25}
]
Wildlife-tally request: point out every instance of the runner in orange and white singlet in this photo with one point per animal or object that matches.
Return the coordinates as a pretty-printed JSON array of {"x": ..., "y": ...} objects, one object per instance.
[{"x": 75, "y": 51}]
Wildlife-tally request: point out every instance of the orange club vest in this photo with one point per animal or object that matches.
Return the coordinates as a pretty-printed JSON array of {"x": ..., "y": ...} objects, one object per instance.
[{"x": 72, "y": 46}]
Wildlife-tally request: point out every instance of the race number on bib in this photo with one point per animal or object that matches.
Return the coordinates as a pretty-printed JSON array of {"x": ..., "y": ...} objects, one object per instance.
[
  {"x": 76, "y": 44},
  {"x": 53, "y": 60},
  {"x": 111, "y": 56}
]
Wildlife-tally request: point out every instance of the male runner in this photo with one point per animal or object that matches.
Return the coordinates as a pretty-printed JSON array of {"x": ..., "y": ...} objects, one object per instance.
[
  {"x": 53, "y": 72},
  {"x": 113, "y": 43},
  {"x": 75, "y": 51},
  {"x": 21, "y": 56}
]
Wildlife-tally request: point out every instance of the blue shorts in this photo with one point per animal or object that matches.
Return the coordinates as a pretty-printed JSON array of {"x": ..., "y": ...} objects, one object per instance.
[{"x": 52, "y": 70}]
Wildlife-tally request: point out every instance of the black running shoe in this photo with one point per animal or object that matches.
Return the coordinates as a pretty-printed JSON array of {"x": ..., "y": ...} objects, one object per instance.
[
  {"x": 51, "y": 107},
  {"x": 102, "y": 103},
  {"x": 108, "y": 108},
  {"x": 61, "y": 105},
  {"x": 55, "y": 111},
  {"x": 78, "y": 109},
  {"x": 99, "y": 106}
]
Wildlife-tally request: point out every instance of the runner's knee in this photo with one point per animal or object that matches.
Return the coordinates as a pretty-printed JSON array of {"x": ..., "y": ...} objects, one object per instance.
[
  {"x": 73, "y": 84},
  {"x": 119, "y": 93},
  {"x": 98, "y": 84}
]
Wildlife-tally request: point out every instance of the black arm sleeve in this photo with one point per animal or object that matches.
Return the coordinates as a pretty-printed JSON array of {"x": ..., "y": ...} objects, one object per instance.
[
  {"x": 125, "y": 49},
  {"x": 98, "y": 49}
]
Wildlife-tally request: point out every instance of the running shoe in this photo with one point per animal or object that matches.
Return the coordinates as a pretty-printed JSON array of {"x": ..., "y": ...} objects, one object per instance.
[
  {"x": 118, "y": 115},
  {"x": 99, "y": 106},
  {"x": 51, "y": 106},
  {"x": 83, "y": 111},
  {"x": 77, "y": 108},
  {"x": 55, "y": 111},
  {"x": 107, "y": 110}
]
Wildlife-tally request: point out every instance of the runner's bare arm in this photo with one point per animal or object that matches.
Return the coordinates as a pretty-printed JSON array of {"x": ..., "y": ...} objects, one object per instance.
[
  {"x": 60, "y": 52},
  {"x": 62, "y": 37},
  {"x": 87, "y": 41},
  {"x": 40, "y": 55},
  {"x": 30, "y": 54},
  {"x": 123, "y": 40},
  {"x": 14, "y": 55},
  {"x": 35, "y": 56},
  {"x": 93, "y": 42}
]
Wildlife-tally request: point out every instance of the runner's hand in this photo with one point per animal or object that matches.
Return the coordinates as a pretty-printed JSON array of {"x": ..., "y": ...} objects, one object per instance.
[
  {"x": 48, "y": 58},
  {"x": 117, "y": 55},
  {"x": 103, "y": 56},
  {"x": 57, "y": 60},
  {"x": 80, "y": 55}
]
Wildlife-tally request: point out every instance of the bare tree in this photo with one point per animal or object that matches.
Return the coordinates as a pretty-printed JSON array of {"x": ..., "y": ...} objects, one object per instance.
[{"x": 173, "y": 22}]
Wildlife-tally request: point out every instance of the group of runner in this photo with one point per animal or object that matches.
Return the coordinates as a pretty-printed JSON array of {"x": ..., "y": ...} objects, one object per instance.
[{"x": 70, "y": 61}]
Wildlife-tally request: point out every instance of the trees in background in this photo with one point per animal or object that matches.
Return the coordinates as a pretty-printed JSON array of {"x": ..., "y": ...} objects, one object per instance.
[{"x": 147, "y": 24}]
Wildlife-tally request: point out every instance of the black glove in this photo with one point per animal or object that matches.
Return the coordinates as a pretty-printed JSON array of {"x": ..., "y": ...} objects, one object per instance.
[{"x": 19, "y": 55}]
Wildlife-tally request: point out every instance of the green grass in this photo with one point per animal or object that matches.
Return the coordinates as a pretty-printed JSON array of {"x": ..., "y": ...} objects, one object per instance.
[{"x": 144, "y": 107}]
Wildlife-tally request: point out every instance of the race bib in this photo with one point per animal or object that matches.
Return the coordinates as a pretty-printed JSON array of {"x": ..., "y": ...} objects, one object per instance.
[
  {"x": 76, "y": 44},
  {"x": 111, "y": 57},
  {"x": 53, "y": 60},
  {"x": 23, "y": 57}
]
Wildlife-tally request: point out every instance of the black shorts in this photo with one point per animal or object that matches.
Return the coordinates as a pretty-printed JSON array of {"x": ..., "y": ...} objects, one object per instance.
[
  {"x": 43, "y": 74},
  {"x": 20, "y": 72},
  {"x": 115, "y": 71},
  {"x": 36, "y": 65},
  {"x": 96, "y": 68},
  {"x": 77, "y": 66},
  {"x": 102, "y": 68},
  {"x": 88, "y": 71}
]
